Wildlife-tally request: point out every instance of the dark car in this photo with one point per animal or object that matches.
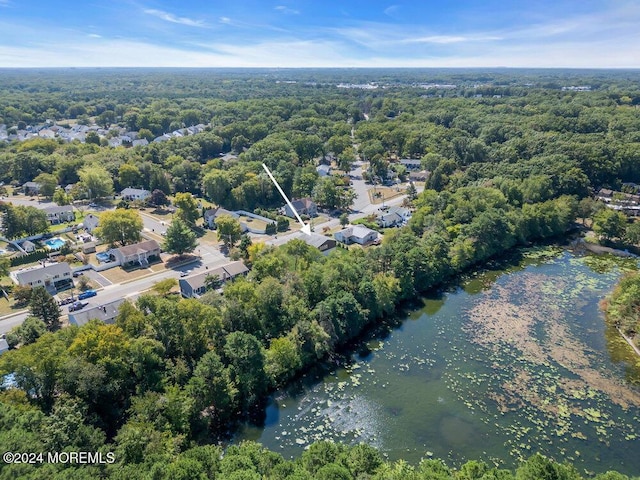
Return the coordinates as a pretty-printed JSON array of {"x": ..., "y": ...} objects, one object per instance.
[
  {"x": 67, "y": 301},
  {"x": 87, "y": 294},
  {"x": 77, "y": 274},
  {"x": 75, "y": 306}
]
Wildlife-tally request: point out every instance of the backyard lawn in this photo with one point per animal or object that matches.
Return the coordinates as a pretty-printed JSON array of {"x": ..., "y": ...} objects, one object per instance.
[{"x": 380, "y": 194}]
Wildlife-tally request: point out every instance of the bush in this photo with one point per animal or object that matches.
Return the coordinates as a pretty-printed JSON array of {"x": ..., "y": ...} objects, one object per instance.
[
  {"x": 28, "y": 258},
  {"x": 271, "y": 229}
]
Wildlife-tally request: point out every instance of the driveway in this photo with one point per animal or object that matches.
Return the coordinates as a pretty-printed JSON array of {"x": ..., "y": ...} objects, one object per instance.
[{"x": 97, "y": 277}]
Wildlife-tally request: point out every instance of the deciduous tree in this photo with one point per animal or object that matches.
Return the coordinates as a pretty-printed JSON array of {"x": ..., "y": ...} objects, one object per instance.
[{"x": 120, "y": 226}]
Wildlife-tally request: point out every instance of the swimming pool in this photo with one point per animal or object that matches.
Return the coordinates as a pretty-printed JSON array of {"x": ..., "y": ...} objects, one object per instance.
[
  {"x": 55, "y": 243},
  {"x": 103, "y": 257}
]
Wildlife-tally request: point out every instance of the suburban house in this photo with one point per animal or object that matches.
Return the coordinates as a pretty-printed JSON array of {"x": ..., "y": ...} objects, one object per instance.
[
  {"x": 90, "y": 222},
  {"x": 356, "y": 234},
  {"x": 60, "y": 214},
  {"x": 31, "y": 188},
  {"x": 213, "y": 213},
  {"x": 195, "y": 285},
  {"x": 323, "y": 170},
  {"x": 138, "y": 253},
  {"x": 421, "y": 176},
  {"x": 393, "y": 217},
  {"x": 106, "y": 313},
  {"x": 605, "y": 194},
  {"x": 133, "y": 194},
  {"x": 28, "y": 246},
  {"x": 140, "y": 142},
  {"x": 53, "y": 277},
  {"x": 304, "y": 206},
  {"x": 411, "y": 163},
  {"x": 322, "y": 243}
]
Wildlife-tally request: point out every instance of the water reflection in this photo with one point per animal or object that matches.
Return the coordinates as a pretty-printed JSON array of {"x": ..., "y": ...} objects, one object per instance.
[{"x": 433, "y": 386}]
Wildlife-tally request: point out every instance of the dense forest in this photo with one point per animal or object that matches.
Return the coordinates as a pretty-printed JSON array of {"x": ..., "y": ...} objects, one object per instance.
[{"x": 511, "y": 155}]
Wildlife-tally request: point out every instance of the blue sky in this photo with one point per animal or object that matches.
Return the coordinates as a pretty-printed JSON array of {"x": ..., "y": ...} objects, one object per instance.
[{"x": 321, "y": 33}]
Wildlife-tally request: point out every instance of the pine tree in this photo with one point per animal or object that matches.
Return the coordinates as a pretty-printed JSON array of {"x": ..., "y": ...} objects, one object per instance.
[
  {"x": 43, "y": 306},
  {"x": 180, "y": 238}
]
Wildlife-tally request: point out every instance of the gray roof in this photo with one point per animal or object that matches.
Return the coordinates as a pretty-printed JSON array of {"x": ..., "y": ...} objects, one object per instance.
[
  {"x": 91, "y": 221},
  {"x": 106, "y": 313},
  {"x": 132, "y": 192},
  {"x": 357, "y": 231},
  {"x": 4, "y": 346},
  {"x": 303, "y": 203},
  {"x": 28, "y": 243},
  {"x": 34, "y": 274},
  {"x": 137, "y": 248},
  {"x": 315, "y": 240},
  {"x": 58, "y": 209},
  {"x": 216, "y": 212},
  {"x": 225, "y": 272}
]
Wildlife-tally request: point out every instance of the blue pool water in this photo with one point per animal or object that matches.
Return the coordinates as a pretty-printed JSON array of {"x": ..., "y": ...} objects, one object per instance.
[
  {"x": 102, "y": 257},
  {"x": 54, "y": 243}
]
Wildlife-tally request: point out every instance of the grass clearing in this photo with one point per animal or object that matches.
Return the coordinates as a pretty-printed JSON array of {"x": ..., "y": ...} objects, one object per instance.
[{"x": 381, "y": 194}]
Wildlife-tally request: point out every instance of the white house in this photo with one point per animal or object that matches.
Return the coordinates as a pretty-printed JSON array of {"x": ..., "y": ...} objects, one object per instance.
[
  {"x": 356, "y": 234},
  {"x": 90, "y": 222},
  {"x": 133, "y": 194},
  {"x": 213, "y": 213},
  {"x": 53, "y": 276},
  {"x": 393, "y": 217},
  {"x": 138, "y": 253},
  {"x": 60, "y": 214}
]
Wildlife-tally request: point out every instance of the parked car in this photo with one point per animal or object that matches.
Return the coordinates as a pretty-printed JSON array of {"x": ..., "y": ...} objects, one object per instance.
[
  {"x": 75, "y": 306},
  {"x": 77, "y": 274},
  {"x": 67, "y": 301},
  {"x": 87, "y": 294}
]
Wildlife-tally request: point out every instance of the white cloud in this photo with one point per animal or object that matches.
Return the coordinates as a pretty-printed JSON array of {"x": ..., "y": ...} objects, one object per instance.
[
  {"x": 287, "y": 10},
  {"x": 170, "y": 17},
  {"x": 391, "y": 10},
  {"x": 225, "y": 20},
  {"x": 94, "y": 35}
]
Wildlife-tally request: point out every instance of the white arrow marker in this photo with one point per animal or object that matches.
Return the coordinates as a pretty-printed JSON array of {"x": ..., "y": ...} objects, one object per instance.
[{"x": 305, "y": 228}]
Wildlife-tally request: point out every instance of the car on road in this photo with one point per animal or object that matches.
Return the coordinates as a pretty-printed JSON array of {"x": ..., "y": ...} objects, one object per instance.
[
  {"x": 184, "y": 274},
  {"x": 87, "y": 294},
  {"x": 75, "y": 306},
  {"x": 77, "y": 274}
]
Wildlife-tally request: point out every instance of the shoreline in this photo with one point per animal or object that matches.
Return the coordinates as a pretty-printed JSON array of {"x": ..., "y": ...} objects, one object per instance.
[{"x": 629, "y": 341}]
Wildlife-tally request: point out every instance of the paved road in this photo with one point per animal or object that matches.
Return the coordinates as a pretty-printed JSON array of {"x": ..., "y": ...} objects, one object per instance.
[{"x": 8, "y": 323}]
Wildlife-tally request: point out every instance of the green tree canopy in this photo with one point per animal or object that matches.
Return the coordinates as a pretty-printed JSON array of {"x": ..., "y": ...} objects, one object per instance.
[
  {"x": 180, "y": 238},
  {"x": 120, "y": 226},
  {"x": 43, "y": 306},
  {"x": 97, "y": 181}
]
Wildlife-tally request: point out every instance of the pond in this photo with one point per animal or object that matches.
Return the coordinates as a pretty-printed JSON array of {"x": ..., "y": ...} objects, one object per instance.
[{"x": 513, "y": 361}]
